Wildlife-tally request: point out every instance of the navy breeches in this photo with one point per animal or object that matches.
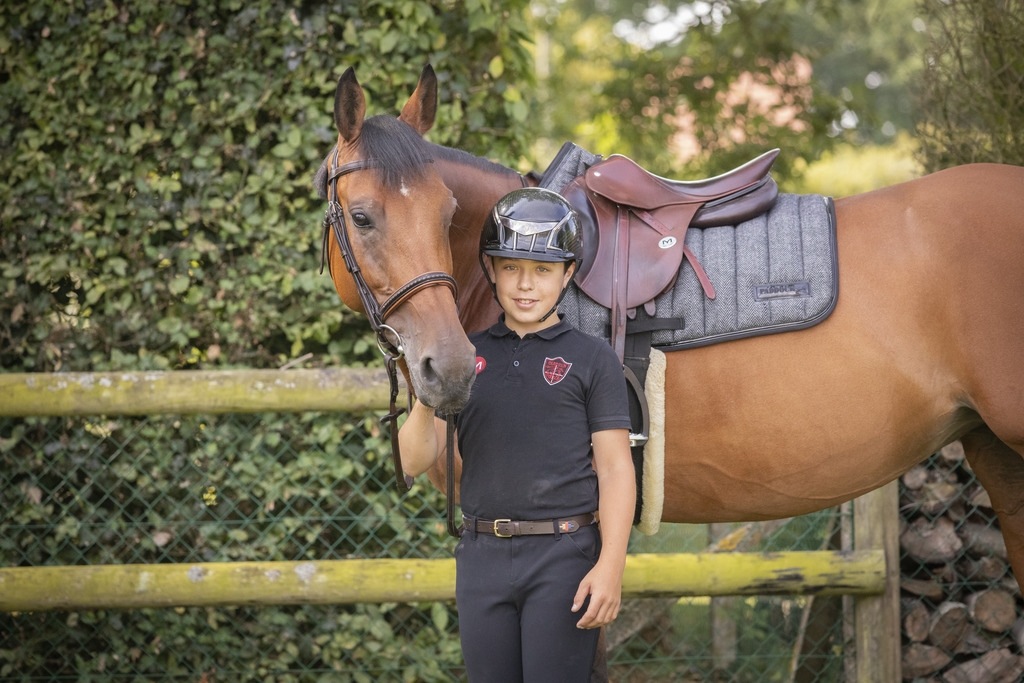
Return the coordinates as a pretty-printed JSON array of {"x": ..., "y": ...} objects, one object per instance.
[{"x": 515, "y": 596}]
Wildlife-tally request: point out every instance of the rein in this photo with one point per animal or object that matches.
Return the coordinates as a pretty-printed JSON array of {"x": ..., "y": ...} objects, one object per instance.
[{"x": 334, "y": 219}]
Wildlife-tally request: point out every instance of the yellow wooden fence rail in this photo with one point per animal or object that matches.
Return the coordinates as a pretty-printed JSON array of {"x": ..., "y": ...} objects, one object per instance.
[
  {"x": 414, "y": 580},
  {"x": 199, "y": 392}
]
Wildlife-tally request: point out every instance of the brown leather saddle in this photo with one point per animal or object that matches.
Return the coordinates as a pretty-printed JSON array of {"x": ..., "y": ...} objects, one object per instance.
[{"x": 634, "y": 225}]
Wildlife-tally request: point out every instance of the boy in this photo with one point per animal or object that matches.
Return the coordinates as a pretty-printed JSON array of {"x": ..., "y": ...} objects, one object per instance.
[{"x": 545, "y": 428}]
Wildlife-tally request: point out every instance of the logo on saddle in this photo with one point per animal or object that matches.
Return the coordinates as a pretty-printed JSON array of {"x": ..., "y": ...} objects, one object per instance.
[{"x": 634, "y": 225}]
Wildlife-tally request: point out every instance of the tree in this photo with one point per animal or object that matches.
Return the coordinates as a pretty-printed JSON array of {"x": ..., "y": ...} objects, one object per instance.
[
  {"x": 740, "y": 76},
  {"x": 973, "y": 87}
]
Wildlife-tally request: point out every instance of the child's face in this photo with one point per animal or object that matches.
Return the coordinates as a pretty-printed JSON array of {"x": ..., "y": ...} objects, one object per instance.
[{"x": 527, "y": 290}]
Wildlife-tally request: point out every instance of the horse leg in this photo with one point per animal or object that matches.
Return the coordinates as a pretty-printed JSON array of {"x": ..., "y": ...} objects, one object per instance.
[{"x": 1000, "y": 469}]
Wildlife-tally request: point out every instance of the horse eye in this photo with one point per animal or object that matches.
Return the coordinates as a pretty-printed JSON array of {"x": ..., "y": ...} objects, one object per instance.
[{"x": 361, "y": 220}]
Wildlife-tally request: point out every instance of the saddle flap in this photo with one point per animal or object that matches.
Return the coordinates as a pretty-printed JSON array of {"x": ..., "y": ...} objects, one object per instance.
[{"x": 652, "y": 260}]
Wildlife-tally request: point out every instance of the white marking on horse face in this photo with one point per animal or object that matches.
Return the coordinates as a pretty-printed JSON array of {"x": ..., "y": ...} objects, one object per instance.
[{"x": 404, "y": 189}]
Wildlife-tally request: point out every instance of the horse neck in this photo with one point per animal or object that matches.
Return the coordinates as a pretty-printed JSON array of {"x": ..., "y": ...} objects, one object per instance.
[{"x": 477, "y": 185}]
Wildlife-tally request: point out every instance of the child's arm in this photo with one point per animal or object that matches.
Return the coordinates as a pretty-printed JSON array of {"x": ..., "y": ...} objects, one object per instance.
[
  {"x": 422, "y": 441},
  {"x": 617, "y": 486},
  {"x": 418, "y": 440}
]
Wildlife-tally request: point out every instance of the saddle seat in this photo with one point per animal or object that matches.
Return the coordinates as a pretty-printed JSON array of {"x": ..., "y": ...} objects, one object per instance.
[
  {"x": 624, "y": 181},
  {"x": 634, "y": 225}
]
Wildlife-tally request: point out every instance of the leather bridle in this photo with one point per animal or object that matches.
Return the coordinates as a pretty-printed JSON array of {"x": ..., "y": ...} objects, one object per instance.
[{"x": 334, "y": 219}]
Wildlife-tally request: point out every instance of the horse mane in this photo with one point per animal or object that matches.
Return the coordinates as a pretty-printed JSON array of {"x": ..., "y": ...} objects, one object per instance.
[
  {"x": 402, "y": 153},
  {"x": 458, "y": 156}
]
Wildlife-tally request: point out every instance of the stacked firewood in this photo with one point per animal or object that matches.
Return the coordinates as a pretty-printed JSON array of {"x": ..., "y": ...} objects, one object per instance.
[{"x": 961, "y": 607}]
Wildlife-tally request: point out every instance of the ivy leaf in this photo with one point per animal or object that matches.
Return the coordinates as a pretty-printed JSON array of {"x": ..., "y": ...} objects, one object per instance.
[
  {"x": 178, "y": 284},
  {"x": 497, "y": 67},
  {"x": 389, "y": 41},
  {"x": 439, "y": 615}
]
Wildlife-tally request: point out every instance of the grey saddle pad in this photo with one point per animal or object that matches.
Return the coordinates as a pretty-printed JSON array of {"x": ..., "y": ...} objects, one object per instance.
[{"x": 774, "y": 273}]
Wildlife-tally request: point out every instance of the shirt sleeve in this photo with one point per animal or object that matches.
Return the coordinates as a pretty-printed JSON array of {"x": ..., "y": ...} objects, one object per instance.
[{"x": 607, "y": 400}]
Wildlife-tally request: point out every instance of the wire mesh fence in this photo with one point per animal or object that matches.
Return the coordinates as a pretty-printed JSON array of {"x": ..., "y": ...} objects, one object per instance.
[{"x": 318, "y": 486}]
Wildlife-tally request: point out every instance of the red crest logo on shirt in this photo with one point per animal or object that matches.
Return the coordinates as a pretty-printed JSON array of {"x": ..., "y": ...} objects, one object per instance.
[
  {"x": 555, "y": 369},
  {"x": 481, "y": 363}
]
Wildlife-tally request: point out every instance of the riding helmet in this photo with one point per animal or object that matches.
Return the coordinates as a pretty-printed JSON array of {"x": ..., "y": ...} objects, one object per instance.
[{"x": 534, "y": 224}]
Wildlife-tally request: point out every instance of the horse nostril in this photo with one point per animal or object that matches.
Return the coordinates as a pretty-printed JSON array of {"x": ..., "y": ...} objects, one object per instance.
[{"x": 428, "y": 373}]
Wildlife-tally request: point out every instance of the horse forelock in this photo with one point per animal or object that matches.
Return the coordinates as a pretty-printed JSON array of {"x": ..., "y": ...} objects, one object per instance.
[{"x": 400, "y": 155}]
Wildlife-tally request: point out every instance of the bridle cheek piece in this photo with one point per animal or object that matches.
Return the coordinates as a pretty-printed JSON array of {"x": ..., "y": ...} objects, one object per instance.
[{"x": 334, "y": 219}]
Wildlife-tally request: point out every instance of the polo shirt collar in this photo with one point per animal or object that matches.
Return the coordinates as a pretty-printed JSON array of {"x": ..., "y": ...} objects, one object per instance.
[{"x": 500, "y": 329}]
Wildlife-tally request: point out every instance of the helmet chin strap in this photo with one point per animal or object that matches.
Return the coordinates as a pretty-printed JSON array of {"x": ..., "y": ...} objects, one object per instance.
[
  {"x": 555, "y": 307},
  {"x": 548, "y": 314},
  {"x": 575, "y": 265}
]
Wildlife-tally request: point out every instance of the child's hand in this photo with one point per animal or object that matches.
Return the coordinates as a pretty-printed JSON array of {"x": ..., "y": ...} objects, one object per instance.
[{"x": 604, "y": 586}]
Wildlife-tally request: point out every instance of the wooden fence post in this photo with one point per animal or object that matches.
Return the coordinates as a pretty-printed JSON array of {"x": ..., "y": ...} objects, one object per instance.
[{"x": 876, "y": 526}]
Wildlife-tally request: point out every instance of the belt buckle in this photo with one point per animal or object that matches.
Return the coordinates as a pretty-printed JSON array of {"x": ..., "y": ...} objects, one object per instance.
[{"x": 501, "y": 521}]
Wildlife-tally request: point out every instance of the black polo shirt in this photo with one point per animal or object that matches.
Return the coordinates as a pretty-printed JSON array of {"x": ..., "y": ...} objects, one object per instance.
[{"x": 524, "y": 435}]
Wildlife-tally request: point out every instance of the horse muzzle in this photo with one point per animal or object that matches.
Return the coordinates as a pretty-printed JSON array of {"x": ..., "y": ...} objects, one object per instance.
[{"x": 443, "y": 375}]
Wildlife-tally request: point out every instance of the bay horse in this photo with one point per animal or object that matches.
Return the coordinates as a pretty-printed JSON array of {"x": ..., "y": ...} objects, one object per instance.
[{"x": 925, "y": 345}]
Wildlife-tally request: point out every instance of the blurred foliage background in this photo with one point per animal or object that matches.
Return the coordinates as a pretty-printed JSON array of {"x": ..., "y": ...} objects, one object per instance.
[{"x": 697, "y": 88}]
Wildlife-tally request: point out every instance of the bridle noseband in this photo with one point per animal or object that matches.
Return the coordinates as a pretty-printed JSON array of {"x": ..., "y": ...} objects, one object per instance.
[{"x": 334, "y": 219}]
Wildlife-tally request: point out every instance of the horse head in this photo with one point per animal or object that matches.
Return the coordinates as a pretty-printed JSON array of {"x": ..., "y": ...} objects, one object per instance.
[{"x": 386, "y": 239}]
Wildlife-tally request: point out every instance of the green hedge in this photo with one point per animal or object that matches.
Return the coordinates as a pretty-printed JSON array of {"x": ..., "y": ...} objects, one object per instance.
[{"x": 158, "y": 209}]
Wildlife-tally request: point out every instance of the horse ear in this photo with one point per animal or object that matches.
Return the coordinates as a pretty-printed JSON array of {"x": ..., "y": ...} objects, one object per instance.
[
  {"x": 349, "y": 106},
  {"x": 421, "y": 108}
]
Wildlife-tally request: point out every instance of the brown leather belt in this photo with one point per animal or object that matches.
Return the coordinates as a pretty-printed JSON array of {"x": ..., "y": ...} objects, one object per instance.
[{"x": 507, "y": 528}]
